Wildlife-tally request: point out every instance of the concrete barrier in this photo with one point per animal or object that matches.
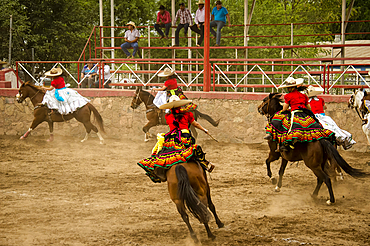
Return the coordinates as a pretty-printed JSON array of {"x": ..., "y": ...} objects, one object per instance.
[{"x": 240, "y": 121}]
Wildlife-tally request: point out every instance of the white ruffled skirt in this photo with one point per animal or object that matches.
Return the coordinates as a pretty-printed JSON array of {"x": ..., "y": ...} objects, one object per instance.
[
  {"x": 72, "y": 101},
  {"x": 343, "y": 137}
]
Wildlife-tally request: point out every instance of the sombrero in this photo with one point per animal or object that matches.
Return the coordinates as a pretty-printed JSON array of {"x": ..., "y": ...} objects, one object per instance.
[
  {"x": 174, "y": 102},
  {"x": 3, "y": 63},
  {"x": 200, "y": 2},
  {"x": 313, "y": 91},
  {"x": 166, "y": 72},
  {"x": 131, "y": 23},
  {"x": 291, "y": 82},
  {"x": 54, "y": 72}
]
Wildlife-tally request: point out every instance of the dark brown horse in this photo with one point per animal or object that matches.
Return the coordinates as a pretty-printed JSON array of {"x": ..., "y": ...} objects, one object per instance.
[
  {"x": 155, "y": 115},
  {"x": 189, "y": 188},
  {"x": 42, "y": 113},
  {"x": 314, "y": 154}
]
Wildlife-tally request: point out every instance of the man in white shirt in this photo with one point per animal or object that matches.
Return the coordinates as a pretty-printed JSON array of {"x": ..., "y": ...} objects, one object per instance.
[
  {"x": 132, "y": 35},
  {"x": 198, "y": 27},
  {"x": 185, "y": 20}
]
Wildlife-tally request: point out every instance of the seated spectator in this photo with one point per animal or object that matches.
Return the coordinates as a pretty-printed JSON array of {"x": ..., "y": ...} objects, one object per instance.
[
  {"x": 198, "y": 27},
  {"x": 163, "y": 20},
  {"x": 218, "y": 19},
  {"x": 132, "y": 35},
  {"x": 105, "y": 78},
  {"x": 88, "y": 75},
  {"x": 185, "y": 20}
]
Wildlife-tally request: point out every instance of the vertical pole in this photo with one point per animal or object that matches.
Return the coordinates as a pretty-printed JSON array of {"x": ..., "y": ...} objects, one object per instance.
[
  {"x": 112, "y": 34},
  {"x": 246, "y": 39},
  {"x": 10, "y": 40},
  {"x": 291, "y": 43},
  {"x": 173, "y": 14},
  {"x": 101, "y": 24},
  {"x": 343, "y": 37},
  {"x": 206, "y": 64}
]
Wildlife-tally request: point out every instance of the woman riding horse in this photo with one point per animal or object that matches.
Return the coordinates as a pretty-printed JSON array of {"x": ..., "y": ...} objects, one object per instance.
[
  {"x": 179, "y": 146},
  {"x": 317, "y": 104},
  {"x": 59, "y": 97},
  {"x": 298, "y": 125},
  {"x": 169, "y": 89}
]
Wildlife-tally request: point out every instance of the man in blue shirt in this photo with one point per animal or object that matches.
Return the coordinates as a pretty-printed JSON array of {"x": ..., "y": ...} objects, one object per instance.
[{"x": 218, "y": 20}]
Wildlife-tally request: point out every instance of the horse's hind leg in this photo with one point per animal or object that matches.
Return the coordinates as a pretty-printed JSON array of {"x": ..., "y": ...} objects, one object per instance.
[
  {"x": 181, "y": 209},
  {"x": 322, "y": 177},
  {"x": 213, "y": 208}
]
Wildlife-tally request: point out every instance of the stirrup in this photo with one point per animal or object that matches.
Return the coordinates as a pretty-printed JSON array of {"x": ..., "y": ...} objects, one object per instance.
[{"x": 210, "y": 169}]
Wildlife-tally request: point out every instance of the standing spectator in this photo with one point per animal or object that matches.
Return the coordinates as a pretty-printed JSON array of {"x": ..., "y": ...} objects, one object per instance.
[
  {"x": 198, "y": 27},
  {"x": 218, "y": 20},
  {"x": 185, "y": 20},
  {"x": 88, "y": 75},
  {"x": 163, "y": 20},
  {"x": 105, "y": 77},
  {"x": 132, "y": 35}
]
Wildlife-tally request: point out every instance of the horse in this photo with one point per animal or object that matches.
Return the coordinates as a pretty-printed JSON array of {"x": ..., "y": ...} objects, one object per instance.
[
  {"x": 156, "y": 116},
  {"x": 188, "y": 188},
  {"x": 356, "y": 101},
  {"x": 43, "y": 113},
  {"x": 314, "y": 154}
]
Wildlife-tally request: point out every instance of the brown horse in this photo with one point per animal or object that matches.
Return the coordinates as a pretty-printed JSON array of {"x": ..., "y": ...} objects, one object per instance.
[
  {"x": 189, "y": 188},
  {"x": 314, "y": 154},
  {"x": 155, "y": 115},
  {"x": 42, "y": 113}
]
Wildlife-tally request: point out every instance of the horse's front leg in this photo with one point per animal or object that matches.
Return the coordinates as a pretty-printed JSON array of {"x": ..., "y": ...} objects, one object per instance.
[
  {"x": 39, "y": 117},
  {"x": 273, "y": 156},
  {"x": 152, "y": 122},
  {"x": 281, "y": 174}
]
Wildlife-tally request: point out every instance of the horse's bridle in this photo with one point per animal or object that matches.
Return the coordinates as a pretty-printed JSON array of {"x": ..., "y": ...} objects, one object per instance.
[
  {"x": 260, "y": 109},
  {"x": 137, "y": 96}
]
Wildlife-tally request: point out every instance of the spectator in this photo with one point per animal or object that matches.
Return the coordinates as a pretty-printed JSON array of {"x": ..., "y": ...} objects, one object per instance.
[
  {"x": 218, "y": 20},
  {"x": 105, "y": 77},
  {"x": 199, "y": 22},
  {"x": 88, "y": 75},
  {"x": 132, "y": 35},
  {"x": 163, "y": 20},
  {"x": 2, "y": 63},
  {"x": 185, "y": 20}
]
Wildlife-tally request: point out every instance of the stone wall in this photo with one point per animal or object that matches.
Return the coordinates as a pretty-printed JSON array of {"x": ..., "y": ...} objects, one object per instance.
[{"x": 239, "y": 120}]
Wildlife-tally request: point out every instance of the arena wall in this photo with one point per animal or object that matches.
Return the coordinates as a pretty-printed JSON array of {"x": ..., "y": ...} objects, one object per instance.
[{"x": 239, "y": 119}]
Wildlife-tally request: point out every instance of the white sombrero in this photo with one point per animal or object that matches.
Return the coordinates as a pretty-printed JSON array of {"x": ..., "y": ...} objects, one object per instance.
[
  {"x": 174, "y": 102},
  {"x": 313, "y": 91},
  {"x": 131, "y": 23},
  {"x": 291, "y": 82},
  {"x": 166, "y": 72},
  {"x": 54, "y": 72}
]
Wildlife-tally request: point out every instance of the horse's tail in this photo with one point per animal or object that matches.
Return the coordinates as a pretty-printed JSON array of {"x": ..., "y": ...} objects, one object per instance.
[
  {"x": 97, "y": 116},
  {"x": 188, "y": 196},
  {"x": 333, "y": 154},
  {"x": 206, "y": 117}
]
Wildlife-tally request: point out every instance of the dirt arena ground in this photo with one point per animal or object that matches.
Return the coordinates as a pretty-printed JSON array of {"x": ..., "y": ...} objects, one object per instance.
[{"x": 72, "y": 193}]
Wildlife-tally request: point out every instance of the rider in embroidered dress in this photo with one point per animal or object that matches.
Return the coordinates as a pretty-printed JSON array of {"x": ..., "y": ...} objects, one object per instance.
[
  {"x": 170, "y": 88},
  {"x": 178, "y": 146},
  {"x": 343, "y": 137},
  {"x": 298, "y": 125},
  {"x": 59, "y": 97}
]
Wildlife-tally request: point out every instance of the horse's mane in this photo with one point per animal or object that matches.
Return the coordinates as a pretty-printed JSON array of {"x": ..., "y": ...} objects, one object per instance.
[
  {"x": 275, "y": 101},
  {"x": 28, "y": 83},
  {"x": 148, "y": 93}
]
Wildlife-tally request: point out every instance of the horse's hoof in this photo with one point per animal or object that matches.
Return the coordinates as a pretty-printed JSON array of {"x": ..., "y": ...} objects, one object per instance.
[
  {"x": 277, "y": 189},
  {"x": 22, "y": 138},
  {"x": 221, "y": 225},
  {"x": 50, "y": 140},
  {"x": 102, "y": 142},
  {"x": 328, "y": 202},
  {"x": 273, "y": 181},
  {"x": 146, "y": 140}
]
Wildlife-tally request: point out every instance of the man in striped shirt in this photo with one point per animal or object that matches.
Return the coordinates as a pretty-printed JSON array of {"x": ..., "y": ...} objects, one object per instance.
[
  {"x": 163, "y": 20},
  {"x": 198, "y": 26},
  {"x": 185, "y": 20}
]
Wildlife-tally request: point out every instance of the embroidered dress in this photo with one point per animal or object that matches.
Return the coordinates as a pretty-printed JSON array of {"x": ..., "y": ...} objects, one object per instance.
[
  {"x": 300, "y": 125},
  {"x": 63, "y": 99},
  {"x": 178, "y": 147}
]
